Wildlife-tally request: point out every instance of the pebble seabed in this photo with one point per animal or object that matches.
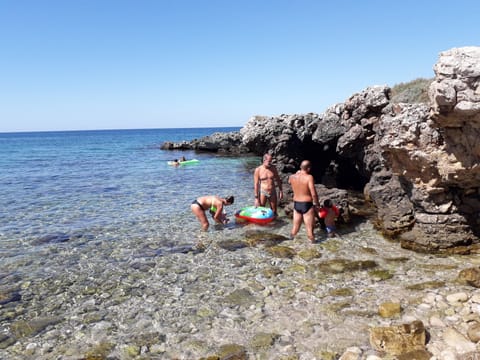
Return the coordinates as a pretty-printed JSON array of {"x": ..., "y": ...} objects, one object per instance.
[{"x": 255, "y": 295}]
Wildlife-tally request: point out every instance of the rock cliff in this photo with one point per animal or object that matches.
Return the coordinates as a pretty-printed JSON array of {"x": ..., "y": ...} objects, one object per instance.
[
  {"x": 418, "y": 164},
  {"x": 438, "y": 156}
]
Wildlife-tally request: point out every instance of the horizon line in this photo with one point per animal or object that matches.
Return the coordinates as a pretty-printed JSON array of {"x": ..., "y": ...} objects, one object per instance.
[{"x": 117, "y": 129}]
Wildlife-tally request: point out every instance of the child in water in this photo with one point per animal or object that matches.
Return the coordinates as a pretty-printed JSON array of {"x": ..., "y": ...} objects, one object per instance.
[{"x": 329, "y": 214}]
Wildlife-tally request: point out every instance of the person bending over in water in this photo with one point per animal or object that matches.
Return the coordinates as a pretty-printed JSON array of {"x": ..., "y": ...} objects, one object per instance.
[
  {"x": 305, "y": 200},
  {"x": 265, "y": 183},
  {"x": 214, "y": 204}
]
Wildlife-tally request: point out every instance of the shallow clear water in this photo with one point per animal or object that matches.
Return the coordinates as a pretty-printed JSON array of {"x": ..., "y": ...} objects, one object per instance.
[
  {"x": 74, "y": 189},
  {"x": 95, "y": 233}
]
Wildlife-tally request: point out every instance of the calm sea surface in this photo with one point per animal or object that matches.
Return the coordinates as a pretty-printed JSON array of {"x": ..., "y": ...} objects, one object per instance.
[{"x": 74, "y": 189}]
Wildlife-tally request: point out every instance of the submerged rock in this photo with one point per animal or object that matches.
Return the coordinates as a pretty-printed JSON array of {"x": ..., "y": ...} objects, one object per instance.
[
  {"x": 9, "y": 295},
  {"x": 282, "y": 251},
  {"x": 241, "y": 297},
  {"x": 337, "y": 266},
  {"x": 22, "y": 328},
  {"x": 389, "y": 309},
  {"x": 470, "y": 276},
  {"x": 255, "y": 237},
  {"x": 232, "y": 352},
  {"x": 232, "y": 245},
  {"x": 399, "y": 339},
  {"x": 263, "y": 340}
]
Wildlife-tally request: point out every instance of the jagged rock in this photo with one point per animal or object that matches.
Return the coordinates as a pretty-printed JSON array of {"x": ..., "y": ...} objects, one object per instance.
[
  {"x": 470, "y": 276},
  {"x": 400, "y": 339},
  {"x": 417, "y": 164},
  {"x": 423, "y": 149},
  {"x": 230, "y": 142},
  {"x": 473, "y": 332}
]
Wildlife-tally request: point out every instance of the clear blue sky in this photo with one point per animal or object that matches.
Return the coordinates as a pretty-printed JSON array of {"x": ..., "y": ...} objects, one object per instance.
[{"x": 118, "y": 64}]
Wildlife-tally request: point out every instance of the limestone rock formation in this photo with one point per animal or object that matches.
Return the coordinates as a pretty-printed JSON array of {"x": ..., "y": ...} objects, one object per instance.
[
  {"x": 437, "y": 156},
  {"x": 417, "y": 164},
  {"x": 230, "y": 142}
]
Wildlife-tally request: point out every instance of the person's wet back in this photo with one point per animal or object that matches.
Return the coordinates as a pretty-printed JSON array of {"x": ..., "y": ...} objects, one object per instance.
[
  {"x": 305, "y": 200},
  {"x": 214, "y": 205}
]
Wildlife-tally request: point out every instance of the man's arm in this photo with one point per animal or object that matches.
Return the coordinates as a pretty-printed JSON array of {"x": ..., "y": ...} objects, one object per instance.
[
  {"x": 278, "y": 181},
  {"x": 313, "y": 191},
  {"x": 255, "y": 184}
]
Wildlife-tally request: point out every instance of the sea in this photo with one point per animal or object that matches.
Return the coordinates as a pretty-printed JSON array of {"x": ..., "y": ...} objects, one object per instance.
[
  {"x": 102, "y": 258},
  {"x": 111, "y": 186}
]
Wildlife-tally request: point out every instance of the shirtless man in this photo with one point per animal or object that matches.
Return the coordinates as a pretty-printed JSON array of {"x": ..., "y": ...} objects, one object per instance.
[
  {"x": 265, "y": 182},
  {"x": 305, "y": 200},
  {"x": 214, "y": 204}
]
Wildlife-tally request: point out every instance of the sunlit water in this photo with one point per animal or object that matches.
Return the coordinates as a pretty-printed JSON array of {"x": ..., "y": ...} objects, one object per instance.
[
  {"x": 95, "y": 229},
  {"x": 74, "y": 189}
]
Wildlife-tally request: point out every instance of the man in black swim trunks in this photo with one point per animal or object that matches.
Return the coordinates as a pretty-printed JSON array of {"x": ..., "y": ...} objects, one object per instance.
[{"x": 305, "y": 200}]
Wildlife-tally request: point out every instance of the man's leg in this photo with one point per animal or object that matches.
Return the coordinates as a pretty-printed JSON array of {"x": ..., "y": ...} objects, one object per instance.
[
  {"x": 297, "y": 222},
  {"x": 309, "y": 218},
  {"x": 273, "y": 202}
]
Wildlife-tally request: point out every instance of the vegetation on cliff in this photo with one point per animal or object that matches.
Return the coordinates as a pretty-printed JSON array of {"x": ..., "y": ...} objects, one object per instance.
[{"x": 412, "y": 92}]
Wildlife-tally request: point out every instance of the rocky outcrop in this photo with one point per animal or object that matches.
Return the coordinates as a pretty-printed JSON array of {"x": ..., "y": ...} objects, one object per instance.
[
  {"x": 418, "y": 165},
  {"x": 437, "y": 155},
  {"x": 230, "y": 142}
]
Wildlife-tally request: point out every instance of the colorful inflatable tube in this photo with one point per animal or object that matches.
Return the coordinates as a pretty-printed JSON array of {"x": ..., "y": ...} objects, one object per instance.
[{"x": 258, "y": 215}]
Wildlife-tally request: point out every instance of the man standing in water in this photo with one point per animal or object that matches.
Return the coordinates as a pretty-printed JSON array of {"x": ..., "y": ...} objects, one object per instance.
[
  {"x": 305, "y": 200},
  {"x": 265, "y": 182}
]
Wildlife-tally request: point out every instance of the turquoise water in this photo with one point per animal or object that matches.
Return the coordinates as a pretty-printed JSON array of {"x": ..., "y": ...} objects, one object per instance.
[{"x": 72, "y": 189}]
